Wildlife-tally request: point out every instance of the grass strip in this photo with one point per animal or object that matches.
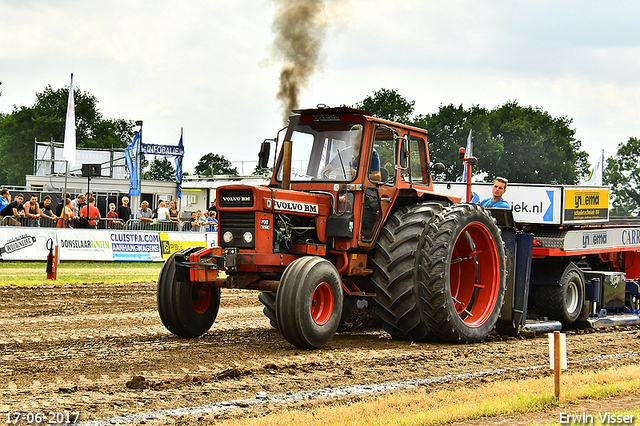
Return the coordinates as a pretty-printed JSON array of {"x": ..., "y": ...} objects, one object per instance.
[
  {"x": 418, "y": 408},
  {"x": 34, "y": 273}
]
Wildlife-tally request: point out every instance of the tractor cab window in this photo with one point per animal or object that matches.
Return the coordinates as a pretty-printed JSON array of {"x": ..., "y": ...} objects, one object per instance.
[
  {"x": 419, "y": 162},
  {"x": 324, "y": 152},
  {"x": 384, "y": 143}
]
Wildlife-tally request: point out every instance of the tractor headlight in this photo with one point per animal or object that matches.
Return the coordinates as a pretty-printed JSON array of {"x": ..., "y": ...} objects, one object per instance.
[
  {"x": 227, "y": 237},
  {"x": 248, "y": 237}
]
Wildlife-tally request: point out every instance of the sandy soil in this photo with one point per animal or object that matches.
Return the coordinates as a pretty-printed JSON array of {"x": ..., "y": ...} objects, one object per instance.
[{"x": 101, "y": 350}]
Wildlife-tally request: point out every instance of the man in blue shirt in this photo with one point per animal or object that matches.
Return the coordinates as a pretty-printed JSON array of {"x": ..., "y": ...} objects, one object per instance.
[
  {"x": 498, "y": 190},
  {"x": 5, "y": 198}
]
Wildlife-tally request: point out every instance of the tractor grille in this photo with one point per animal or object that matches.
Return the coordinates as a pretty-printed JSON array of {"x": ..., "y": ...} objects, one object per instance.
[{"x": 237, "y": 223}]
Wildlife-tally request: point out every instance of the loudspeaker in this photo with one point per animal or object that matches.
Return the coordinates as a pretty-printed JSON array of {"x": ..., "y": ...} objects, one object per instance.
[{"x": 90, "y": 170}]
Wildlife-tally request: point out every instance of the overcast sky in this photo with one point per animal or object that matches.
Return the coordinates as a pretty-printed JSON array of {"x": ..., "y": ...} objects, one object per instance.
[{"x": 209, "y": 67}]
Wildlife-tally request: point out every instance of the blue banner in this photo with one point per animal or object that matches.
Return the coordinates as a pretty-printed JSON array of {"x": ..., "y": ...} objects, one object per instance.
[
  {"x": 148, "y": 148},
  {"x": 132, "y": 156}
]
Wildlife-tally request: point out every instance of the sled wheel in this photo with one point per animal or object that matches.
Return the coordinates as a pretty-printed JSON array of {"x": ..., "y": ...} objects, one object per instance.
[
  {"x": 562, "y": 302},
  {"x": 186, "y": 309},
  {"x": 309, "y": 302},
  {"x": 463, "y": 273}
]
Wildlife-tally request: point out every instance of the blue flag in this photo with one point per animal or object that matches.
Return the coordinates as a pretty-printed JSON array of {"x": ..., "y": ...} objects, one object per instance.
[
  {"x": 178, "y": 161},
  {"x": 132, "y": 156}
]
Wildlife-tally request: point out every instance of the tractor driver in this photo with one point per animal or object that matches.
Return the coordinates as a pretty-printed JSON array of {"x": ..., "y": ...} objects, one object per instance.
[{"x": 348, "y": 159}]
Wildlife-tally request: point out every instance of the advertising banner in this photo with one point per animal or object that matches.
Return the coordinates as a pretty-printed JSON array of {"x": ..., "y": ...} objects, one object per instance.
[
  {"x": 584, "y": 205},
  {"x": 22, "y": 243},
  {"x": 529, "y": 203}
]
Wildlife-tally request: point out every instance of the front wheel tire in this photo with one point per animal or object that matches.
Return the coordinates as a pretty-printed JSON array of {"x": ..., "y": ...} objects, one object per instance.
[
  {"x": 309, "y": 302},
  {"x": 186, "y": 309}
]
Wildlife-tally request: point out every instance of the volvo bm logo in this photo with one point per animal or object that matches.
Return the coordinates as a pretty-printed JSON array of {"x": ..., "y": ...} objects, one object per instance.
[{"x": 237, "y": 199}]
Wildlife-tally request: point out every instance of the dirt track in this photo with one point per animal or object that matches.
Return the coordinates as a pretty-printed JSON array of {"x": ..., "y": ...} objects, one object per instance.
[{"x": 101, "y": 350}]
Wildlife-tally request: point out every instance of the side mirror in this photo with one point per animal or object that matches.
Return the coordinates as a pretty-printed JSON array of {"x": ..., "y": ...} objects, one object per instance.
[
  {"x": 438, "y": 168},
  {"x": 263, "y": 156}
]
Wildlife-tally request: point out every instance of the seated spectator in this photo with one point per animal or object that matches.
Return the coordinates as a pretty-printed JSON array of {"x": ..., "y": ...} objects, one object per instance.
[
  {"x": 12, "y": 212},
  {"x": 5, "y": 198},
  {"x": 163, "y": 213},
  {"x": 49, "y": 218},
  {"x": 32, "y": 211},
  {"x": 67, "y": 215},
  {"x": 113, "y": 220},
  {"x": 91, "y": 212},
  {"x": 145, "y": 214}
]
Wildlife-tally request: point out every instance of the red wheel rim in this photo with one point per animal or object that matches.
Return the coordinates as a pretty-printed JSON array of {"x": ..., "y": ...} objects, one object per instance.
[
  {"x": 322, "y": 303},
  {"x": 200, "y": 297},
  {"x": 474, "y": 276}
]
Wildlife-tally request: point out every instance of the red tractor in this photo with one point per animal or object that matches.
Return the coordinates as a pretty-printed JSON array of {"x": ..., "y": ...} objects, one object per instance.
[{"x": 349, "y": 214}]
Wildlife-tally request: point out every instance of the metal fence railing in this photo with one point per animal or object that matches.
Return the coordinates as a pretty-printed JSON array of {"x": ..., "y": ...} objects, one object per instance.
[{"x": 108, "y": 223}]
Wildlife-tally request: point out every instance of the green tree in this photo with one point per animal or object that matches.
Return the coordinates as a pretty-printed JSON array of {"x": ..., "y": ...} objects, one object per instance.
[
  {"x": 522, "y": 144},
  {"x": 45, "y": 121},
  {"x": 622, "y": 172},
  {"x": 388, "y": 104},
  {"x": 213, "y": 164},
  {"x": 259, "y": 171},
  {"x": 448, "y": 131},
  {"x": 161, "y": 169}
]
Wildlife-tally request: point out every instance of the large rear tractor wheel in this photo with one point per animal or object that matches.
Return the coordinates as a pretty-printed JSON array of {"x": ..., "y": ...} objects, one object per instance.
[
  {"x": 463, "y": 273},
  {"x": 309, "y": 302},
  {"x": 439, "y": 272},
  {"x": 563, "y": 301},
  {"x": 395, "y": 272},
  {"x": 186, "y": 309}
]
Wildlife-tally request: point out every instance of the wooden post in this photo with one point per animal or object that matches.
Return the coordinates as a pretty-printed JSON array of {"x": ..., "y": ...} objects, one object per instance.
[{"x": 556, "y": 362}]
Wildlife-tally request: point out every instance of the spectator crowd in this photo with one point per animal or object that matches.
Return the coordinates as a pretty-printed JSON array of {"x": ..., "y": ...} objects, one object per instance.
[{"x": 81, "y": 212}]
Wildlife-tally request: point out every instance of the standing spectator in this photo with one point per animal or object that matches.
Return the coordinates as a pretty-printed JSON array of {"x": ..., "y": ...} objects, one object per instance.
[
  {"x": 5, "y": 198},
  {"x": 174, "y": 213},
  {"x": 60, "y": 206},
  {"x": 212, "y": 223},
  {"x": 113, "y": 221},
  {"x": 77, "y": 205},
  {"x": 15, "y": 209},
  {"x": 49, "y": 218},
  {"x": 193, "y": 223},
  {"x": 67, "y": 215},
  {"x": 32, "y": 211},
  {"x": 124, "y": 211},
  {"x": 212, "y": 207},
  {"x": 91, "y": 212},
  {"x": 163, "y": 212},
  {"x": 213, "y": 218},
  {"x": 145, "y": 214}
]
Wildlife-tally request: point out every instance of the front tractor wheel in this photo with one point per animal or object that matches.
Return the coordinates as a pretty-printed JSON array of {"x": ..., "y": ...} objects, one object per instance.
[
  {"x": 186, "y": 309},
  {"x": 309, "y": 302}
]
